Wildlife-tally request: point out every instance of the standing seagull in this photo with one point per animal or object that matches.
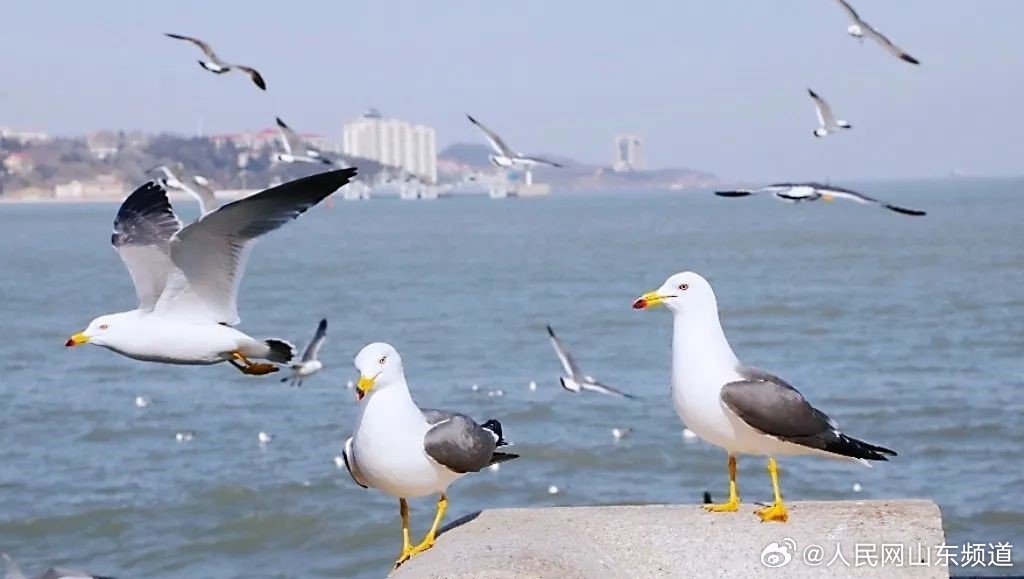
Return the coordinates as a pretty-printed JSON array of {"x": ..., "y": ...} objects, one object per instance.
[
  {"x": 504, "y": 156},
  {"x": 187, "y": 279},
  {"x": 14, "y": 572},
  {"x": 407, "y": 452},
  {"x": 826, "y": 119},
  {"x": 218, "y": 66},
  {"x": 801, "y": 192},
  {"x": 739, "y": 408},
  {"x": 296, "y": 150},
  {"x": 860, "y": 28},
  {"x": 576, "y": 381},
  {"x": 310, "y": 363},
  {"x": 199, "y": 188}
]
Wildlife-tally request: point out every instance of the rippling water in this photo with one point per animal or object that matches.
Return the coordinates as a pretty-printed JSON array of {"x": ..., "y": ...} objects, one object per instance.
[{"x": 909, "y": 331}]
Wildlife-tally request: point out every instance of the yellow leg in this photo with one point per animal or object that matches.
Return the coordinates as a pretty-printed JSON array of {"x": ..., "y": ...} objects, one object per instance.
[
  {"x": 733, "y": 504},
  {"x": 247, "y": 366},
  {"x": 777, "y": 511},
  {"x": 403, "y": 509},
  {"x": 428, "y": 541}
]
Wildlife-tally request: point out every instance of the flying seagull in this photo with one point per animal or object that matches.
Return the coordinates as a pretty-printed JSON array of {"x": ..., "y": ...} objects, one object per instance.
[
  {"x": 198, "y": 188},
  {"x": 187, "y": 278},
  {"x": 740, "y": 408},
  {"x": 801, "y": 192},
  {"x": 575, "y": 380},
  {"x": 215, "y": 65},
  {"x": 504, "y": 156},
  {"x": 14, "y": 572},
  {"x": 409, "y": 452},
  {"x": 310, "y": 363},
  {"x": 826, "y": 119},
  {"x": 296, "y": 150},
  {"x": 859, "y": 29}
]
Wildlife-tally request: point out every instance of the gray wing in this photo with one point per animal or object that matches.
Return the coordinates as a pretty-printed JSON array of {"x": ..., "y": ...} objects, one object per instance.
[
  {"x": 211, "y": 253},
  {"x": 348, "y": 453},
  {"x": 568, "y": 363},
  {"x": 844, "y": 193},
  {"x": 313, "y": 349},
  {"x": 457, "y": 442},
  {"x": 850, "y": 11},
  {"x": 887, "y": 44},
  {"x": 540, "y": 161},
  {"x": 289, "y": 138},
  {"x": 202, "y": 46},
  {"x": 254, "y": 74},
  {"x": 595, "y": 386},
  {"x": 62, "y": 573},
  {"x": 143, "y": 228},
  {"x": 497, "y": 144},
  {"x": 825, "y": 116}
]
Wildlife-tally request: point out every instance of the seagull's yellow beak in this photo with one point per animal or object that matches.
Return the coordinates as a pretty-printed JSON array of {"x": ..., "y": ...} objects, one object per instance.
[
  {"x": 827, "y": 197},
  {"x": 364, "y": 386},
  {"x": 76, "y": 340},
  {"x": 648, "y": 300}
]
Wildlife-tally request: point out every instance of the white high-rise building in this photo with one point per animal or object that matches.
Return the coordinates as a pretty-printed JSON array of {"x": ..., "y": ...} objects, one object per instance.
[
  {"x": 393, "y": 143},
  {"x": 629, "y": 154}
]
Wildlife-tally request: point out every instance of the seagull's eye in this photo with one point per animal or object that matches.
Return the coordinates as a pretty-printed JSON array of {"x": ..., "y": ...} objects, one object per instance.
[
  {"x": 382, "y": 360},
  {"x": 104, "y": 326},
  {"x": 684, "y": 286}
]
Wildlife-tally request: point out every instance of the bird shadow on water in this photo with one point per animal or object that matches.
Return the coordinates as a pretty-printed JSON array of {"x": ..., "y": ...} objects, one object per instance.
[{"x": 458, "y": 522}]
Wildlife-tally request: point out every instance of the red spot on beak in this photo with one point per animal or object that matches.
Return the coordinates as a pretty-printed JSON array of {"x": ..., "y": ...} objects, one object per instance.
[
  {"x": 640, "y": 304},
  {"x": 70, "y": 343},
  {"x": 359, "y": 395}
]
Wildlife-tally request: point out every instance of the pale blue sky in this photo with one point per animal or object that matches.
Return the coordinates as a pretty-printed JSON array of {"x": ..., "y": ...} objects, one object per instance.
[{"x": 712, "y": 84}]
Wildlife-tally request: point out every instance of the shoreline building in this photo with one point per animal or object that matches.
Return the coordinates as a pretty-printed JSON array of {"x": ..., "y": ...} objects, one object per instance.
[
  {"x": 393, "y": 143},
  {"x": 629, "y": 154}
]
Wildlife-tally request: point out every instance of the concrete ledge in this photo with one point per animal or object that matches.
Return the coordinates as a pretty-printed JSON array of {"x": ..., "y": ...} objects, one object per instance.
[{"x": 658, "y": 541}]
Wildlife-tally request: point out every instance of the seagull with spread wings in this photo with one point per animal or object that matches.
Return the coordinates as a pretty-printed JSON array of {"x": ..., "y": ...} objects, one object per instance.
[
  {"x": 296, "y": 149},
  {"x": 803, "y": 192},
  {"x": 859, "y": 29},
  {"x": 504, "y": 156},
  {"x": 575, "y": 380},
  {"x": 187, "y": 278},
  {"x": 310, "y": 362},
  {"x": 214, "y": 63},
  {"x": 827, "y": 121}
]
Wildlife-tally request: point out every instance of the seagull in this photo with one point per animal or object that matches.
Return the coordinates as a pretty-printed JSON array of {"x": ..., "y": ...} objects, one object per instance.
[
  {"x": 309, "y": 364},
  {"x": 812, "y": 191},
  {"x": 264, "y": 438},
  {"x": 828, "y": 121},
  {"x": 14, "y": 572},
  {"x": 199, "y": 188},
  {"x": 620, "y": 433},
  {"x": 142, "y": 402},
  {"x": 185, "y": 436},
  {"x": 186, "y": 279},
  {"x": 407, "y": 452},
  {"x": 742, "y": 409},
  {"x": 296, "y": 150},
  {"x": 504, "y": 156},
  {"x": 215, "y": 65},
  {"x": 859, "y": 29},
  {"x": 576, "y": 381}
]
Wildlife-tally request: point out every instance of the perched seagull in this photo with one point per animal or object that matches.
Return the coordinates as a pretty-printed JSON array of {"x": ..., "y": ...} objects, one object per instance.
[
  {"x": 185, "y": 436},
  {"x": 859, "y": 29},
  {"x": 14, "y": 572},
  {"x": 801, "y": 192},
  {"x": 215, "y": 65},
  {"x": 142, "y": 402},
  {"x": 264, "y": 438},
  {"x": 199, "y": 188},
  {"x": 576, "y": 381},
  {"x": 186, "y": 279},
  {"x": 739, "y": 408},
  {"x": 296, "y": 150},
  {"x": 310, "y": 363},
  {"x": 407, "y": 452},
  {"x": 504, "y": 156},
  {"x": 826, "y": 119}
]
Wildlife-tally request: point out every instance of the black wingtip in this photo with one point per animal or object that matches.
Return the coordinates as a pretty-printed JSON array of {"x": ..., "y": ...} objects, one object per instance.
[
  {"x": 910, "y": 59},
  {"x": 812, "y": 93},
  {"x": 551, "y": 332},
  {"x": 257, "y": 78},
  {"x": 471, "y": 119},
  {"x": 905, "y": 211},
  {"x": 280, "y": 123},
  {"x": 732, "y": 193},
  {"x": 322, "y": 326},
  {"x": 707, "y": 498}
]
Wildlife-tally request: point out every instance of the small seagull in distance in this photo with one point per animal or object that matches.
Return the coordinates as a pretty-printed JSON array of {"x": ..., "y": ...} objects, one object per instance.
[
  {"x": 504, "y": 156},
  {"x": 828, "y": 121},
  {"x": 310, "y": 363},
  {"x": 185, "y": 436},
  {"x": 620, "y": 433},
  {"x": 14, "y": 572},
  {"x": 142, "y": 401},
  {"x": 801, "y": 192},
  {"x": 217, "y": 66},
  {"x": 576, "y": 381},
  {"x": 264, "y": 438},
  {"x": 296, "y": 150},
  {"x": 859, "y": 29},
  {"x": 199, "y": 188}
]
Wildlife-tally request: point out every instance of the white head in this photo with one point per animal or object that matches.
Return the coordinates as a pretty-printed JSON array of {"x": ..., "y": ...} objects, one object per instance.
[
  {"x": 379, "y": 367},
  {"x": 855, "y": 30},
  {"x": 104, "y": 330},
  {"x": 685, "y": 293},
  {"x": 500, "y": 161},
  {"x": 820, "y": 132}
]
